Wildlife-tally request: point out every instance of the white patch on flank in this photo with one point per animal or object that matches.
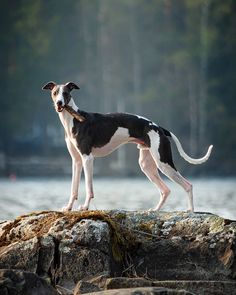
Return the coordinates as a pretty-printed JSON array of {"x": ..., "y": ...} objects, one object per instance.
[
  {"x": 121, "y": 136},
  {"x": 155, "y": 142}
]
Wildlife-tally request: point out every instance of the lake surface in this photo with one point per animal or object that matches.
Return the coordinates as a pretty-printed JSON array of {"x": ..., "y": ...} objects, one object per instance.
[{"x": 21, "y": 196}]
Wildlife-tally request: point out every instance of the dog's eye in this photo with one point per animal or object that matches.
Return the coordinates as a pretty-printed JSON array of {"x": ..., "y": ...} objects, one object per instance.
[{"x": 55, "y": 93}]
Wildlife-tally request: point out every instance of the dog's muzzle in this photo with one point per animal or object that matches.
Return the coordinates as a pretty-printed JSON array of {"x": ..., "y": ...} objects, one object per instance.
[{"x": 59, "y": 106}]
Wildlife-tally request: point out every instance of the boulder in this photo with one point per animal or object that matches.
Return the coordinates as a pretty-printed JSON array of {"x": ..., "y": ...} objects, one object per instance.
[
  {"x": 181, "y": 246},
  {"x": 85, "y": 287},
  {"x": 143, "y": 291},
  {"x": 100, "y": 283},
  {"x": 122, "y": 283},
  {"x": 91, "y": 284},
  {"x": 198, "y": 287},
  {"x": 63, "y": 291},
  {"x": 16, "y": 282},
  {"x": 201, "y": 287},
  {"x": 64, "y": 247},
  {"x": 67, "y": 248}
]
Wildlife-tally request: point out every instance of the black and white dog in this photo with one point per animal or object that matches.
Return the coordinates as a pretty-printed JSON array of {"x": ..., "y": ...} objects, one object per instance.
[{"x": 100, "y": 134}]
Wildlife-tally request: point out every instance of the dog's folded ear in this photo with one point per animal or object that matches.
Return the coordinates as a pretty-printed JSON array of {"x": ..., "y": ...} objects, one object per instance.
[
  {"x": 72, "y": 86},
  {"x": 49, "y": 86}
]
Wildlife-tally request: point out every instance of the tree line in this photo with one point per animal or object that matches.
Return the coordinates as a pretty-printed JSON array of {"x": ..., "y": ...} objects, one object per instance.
[{"x": 171, "y": 61}]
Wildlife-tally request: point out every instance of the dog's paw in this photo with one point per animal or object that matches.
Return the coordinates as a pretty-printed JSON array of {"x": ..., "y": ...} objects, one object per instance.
[
  {"x": 190, "y": 211},
  {"x": 83, "y": 208},
  {"x": 152, "y": 210},
  {"x": 156, "y": 209},
  {"x": 66, "y": 208}
]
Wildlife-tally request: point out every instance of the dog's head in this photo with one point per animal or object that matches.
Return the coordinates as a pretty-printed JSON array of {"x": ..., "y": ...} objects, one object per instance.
[{"x": 60, "y": 93}]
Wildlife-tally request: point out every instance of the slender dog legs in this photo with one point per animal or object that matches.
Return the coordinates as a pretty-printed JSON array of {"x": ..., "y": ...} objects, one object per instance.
[
  {"x": 149, "y": 168},
  {"x": 174, "y": 175},
  {"x": 178, "y": 178},
  {"x": 76, "y": 174},
  {"x": 88, "y": 174}
]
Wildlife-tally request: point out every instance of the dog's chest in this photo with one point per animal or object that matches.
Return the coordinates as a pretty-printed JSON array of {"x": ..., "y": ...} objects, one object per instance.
[{"x": 67, "y": 122}]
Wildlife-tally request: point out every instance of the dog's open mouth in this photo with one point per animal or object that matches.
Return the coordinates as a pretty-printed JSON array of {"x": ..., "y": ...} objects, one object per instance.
[{"x": 59, "y": 109}]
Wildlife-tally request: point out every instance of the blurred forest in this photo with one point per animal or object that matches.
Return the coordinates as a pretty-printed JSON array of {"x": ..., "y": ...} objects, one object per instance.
[{"x": 171, "y": 61}]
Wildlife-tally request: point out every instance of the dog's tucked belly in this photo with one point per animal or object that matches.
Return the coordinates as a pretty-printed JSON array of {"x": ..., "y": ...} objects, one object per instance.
[{"x": 120, "y": 137}]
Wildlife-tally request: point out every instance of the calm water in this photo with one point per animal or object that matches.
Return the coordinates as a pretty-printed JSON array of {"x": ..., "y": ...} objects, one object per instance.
[{"x": 26, "y": 195}]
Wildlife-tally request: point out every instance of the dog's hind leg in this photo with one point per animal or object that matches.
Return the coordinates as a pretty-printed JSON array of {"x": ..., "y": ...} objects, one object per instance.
[
  {"x": 161, "y": 152},
  {"x": 178, "y": 178},
  {"x": 149, "y": 168}
]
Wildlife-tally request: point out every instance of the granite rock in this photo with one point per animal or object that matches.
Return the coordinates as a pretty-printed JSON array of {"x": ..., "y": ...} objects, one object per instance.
[
  {"x": 67, "y": 248},
  {"x": 63, "y": 247},
  {"x": 143, "y": 291},
  {"x": 84, "y": 287},
  {"x": 16, "y": 282}
]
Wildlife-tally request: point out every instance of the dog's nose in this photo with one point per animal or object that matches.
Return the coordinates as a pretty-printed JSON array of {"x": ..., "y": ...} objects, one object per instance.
[{"x": 59, "y": 103}]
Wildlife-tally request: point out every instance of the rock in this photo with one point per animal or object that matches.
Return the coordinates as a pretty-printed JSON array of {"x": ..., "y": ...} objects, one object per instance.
[
  {"x": 91, "y": 284},
  {"x": 178, "y": 246},
  {"x": 63, "y": 246},
  {"x": 63, "y": 291},
  {"x": 198, "y": 287},
  {"x": 16, "y": 255},
  {"x": 79, "y": 262},
  {"x": 201, "y": 287},
  {"x": 85, "y": 287},
  {"x": 69, "y": 247},
  {"x": 143, "y": 291},
  {"x": 16, "y": 282},
  {"x": 98, "y": 280},
  {"x": 122, "y": 283}
]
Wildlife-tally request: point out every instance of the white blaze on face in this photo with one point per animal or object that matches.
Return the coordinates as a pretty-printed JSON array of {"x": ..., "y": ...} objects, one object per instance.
[{"x": 60, "y": 96}]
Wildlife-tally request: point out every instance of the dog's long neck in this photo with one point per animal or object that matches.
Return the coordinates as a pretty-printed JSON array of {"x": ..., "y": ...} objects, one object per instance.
[
  {"x": 66, "y": 118},
  {"x": 73, "y": 105}
]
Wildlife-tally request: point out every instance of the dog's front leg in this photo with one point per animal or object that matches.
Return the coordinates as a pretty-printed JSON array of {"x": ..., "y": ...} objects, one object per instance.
[
  {"x": 76, "y": 174},
  {"x": 88, "y": 174},
  {"x": 77, "y": 166}
]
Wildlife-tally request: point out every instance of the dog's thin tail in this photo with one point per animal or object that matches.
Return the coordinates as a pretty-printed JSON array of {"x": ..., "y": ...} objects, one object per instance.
[
  {"x": 182, "y": 152},
  {"x": 188, "y": 158}
]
